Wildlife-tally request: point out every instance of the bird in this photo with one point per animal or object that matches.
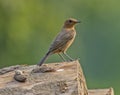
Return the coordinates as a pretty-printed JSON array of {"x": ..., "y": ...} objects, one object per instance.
[{"x": 62, "y": 41}]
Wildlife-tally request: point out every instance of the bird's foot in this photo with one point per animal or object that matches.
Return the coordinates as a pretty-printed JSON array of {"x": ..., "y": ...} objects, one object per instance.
[
  {"x": 78, "y": 58},
  {"x": 70, "y": 60}
]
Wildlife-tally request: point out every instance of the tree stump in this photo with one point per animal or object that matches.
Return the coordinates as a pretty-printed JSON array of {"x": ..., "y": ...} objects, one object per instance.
[{"x": 50, "y": 79}]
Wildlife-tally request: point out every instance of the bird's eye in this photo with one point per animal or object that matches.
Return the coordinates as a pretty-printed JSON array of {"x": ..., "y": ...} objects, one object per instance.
[{"x": 70, "y": 21}]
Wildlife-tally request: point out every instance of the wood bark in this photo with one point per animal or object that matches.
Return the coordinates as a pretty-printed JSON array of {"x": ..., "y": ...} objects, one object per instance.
[{"x": 65, "y": 78}]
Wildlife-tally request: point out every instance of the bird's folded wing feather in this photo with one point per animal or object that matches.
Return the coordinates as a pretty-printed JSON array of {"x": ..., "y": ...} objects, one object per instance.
[{"x": 60, "y": 41}]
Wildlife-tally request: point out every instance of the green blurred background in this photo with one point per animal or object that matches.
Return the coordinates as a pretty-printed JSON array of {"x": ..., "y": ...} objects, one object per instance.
[{"x": 27, "y": 28}]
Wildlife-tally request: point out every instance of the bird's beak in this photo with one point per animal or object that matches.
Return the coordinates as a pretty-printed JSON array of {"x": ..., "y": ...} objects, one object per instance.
[{"x": 78, "y": 21}]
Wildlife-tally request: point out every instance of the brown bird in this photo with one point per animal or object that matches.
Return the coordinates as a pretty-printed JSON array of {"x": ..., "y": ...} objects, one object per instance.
[{"x": 62, "y": 41}]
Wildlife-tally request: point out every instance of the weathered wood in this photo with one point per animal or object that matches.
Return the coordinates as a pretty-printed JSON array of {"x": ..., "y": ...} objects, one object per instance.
[
  {"x": 53, "y": 79},
  {"x": 108, "y": 91}
]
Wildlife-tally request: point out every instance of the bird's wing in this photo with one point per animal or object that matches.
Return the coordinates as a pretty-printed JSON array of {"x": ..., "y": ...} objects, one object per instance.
[{"x": 60, "y": 41}]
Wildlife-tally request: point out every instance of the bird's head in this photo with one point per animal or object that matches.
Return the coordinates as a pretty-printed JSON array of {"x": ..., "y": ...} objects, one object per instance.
[{"x": 69, "y": 23}]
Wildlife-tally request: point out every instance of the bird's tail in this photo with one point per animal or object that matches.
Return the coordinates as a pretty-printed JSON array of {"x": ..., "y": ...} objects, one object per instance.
[{"x": 43, "y": 59}]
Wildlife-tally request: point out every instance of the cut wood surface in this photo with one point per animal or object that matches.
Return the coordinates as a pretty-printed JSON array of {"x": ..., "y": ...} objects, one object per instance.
[
  {"x": 108, "y": 91},
  {"x": 50, "y": 79}
]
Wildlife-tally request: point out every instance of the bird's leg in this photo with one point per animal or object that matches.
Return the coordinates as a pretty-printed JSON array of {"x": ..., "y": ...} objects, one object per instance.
[
  {"x": 68, "y": 56},
  {"x": 62, "y": 57}
]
